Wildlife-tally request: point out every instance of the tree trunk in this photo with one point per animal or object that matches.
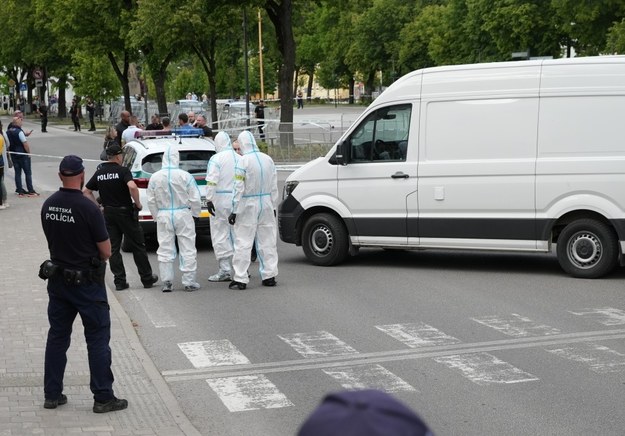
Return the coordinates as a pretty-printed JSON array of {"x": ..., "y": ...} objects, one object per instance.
[
  {"x": 311, "y": 79},
  {"x": 352, "y": 86},
  {"x": 123, "y": 77},
  {"x": 62, "y": 103},
  {"x": 207, "y": 56},
  {"x": 159, "y": 88},
  {"x": 280, "y": 14}
]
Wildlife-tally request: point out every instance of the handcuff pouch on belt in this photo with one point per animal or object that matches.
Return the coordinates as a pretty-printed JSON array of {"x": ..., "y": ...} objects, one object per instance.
[{"x": 47, "y": 269}]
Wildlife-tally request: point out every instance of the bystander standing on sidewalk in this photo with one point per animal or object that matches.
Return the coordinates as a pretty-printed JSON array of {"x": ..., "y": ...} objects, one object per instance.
[
  {"x": 42, "y": 110},
  {"x": 4, "y": 161},
  {"x": 91, "y": 112},
  {"x": 20, "y": 156},
  {"x": 74, "y": 112}
]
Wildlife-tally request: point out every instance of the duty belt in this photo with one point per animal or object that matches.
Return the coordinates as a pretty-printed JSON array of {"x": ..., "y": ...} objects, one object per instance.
[
  {"x": 119, "y": 207},
  {"x": 72, "y": 277}
]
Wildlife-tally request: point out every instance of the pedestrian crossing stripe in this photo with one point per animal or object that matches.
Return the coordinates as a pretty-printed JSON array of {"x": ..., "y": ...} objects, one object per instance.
[
  {"x": 212, "y": 353},
  {"x": 598, "y": 358},
  {"x": 606, "y": 315},
  {"x": 516, "y": 326},
  {"x": 317, "y": 344},
  {"x": 248, "y": 392},
  {"x": 416, "y": 335},
  {"x": 485, "y": 369},
  {"x": 368, "y": 377}
]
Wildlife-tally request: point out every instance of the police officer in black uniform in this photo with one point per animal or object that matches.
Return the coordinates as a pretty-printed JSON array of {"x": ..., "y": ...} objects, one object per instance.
[
  {"x": 117, "y": 192},
  {"x": 79, "y": 246}
]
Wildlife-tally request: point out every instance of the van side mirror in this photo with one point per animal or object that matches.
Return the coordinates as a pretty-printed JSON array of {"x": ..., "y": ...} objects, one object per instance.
[{"x": 339, "y": 155}]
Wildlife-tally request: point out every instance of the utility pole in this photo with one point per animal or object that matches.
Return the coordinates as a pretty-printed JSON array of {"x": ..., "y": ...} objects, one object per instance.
[
  {"x": 247, "y": 77},
  {"x": 260, "y": 55}
]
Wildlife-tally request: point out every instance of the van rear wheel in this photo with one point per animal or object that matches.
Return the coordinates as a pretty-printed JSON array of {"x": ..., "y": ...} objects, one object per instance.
[
  {"x": 324, "y": 240},
  {"x": 587, "y": 248}
]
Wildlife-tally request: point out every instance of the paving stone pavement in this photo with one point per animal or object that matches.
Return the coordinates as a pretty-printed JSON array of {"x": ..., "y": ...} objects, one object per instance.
[{"x": 152, "y": 410}]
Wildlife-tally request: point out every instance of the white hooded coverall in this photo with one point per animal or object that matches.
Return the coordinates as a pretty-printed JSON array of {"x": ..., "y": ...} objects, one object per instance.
[
  {"x": 219, "y": 190},
  {"x": 254, "y": 203},
  {"x": 174, "y": 199}
]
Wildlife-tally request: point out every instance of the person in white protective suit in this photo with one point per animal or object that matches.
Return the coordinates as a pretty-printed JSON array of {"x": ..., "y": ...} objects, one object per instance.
[
  {"x": 219, "y": 194},
  {"x": 174, "y": 200},
  {"x": 254, "y": 214}
]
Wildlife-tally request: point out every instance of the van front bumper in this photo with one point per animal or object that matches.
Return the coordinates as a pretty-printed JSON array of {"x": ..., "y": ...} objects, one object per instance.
[{"x": 289, "y": 213}]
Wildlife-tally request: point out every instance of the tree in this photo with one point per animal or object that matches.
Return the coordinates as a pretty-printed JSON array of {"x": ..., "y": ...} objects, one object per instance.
[
  {"x": 146, "y": 37},
  {"x": 94, "y": 77},
  {"x": 585, "y": 23},
  {"x": 375, "y": 33},
  {"x": 335, "y": 26},
  {"x": 280, "y": 13},
  {"x": 99, "y": 27}
]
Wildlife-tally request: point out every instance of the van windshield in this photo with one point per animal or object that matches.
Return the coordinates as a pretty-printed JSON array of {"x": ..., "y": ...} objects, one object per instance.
[{"x": 193, "y": 161}]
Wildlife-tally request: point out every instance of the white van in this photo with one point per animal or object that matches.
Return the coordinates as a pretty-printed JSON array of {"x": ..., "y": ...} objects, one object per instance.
[{"x": 501, "y": 156}]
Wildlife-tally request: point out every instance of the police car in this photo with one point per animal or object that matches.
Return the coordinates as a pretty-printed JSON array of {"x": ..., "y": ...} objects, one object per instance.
[{"x": 144, "y": 155}]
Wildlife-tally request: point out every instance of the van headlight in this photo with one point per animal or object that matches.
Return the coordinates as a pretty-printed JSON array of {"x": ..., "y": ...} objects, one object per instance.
[{"x": 289, "y": 187}]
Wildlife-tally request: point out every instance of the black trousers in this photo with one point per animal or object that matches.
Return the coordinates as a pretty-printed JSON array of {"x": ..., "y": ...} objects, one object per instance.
[
  {"x": 261, "y": 123},
  {"x": 44, "y": 124},
  {"x": 122, "y": 222},
  {"x": 90, "y": 302}
]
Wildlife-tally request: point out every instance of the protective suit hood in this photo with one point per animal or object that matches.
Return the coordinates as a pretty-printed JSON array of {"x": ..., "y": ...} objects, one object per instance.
[
  {"x": 171, "y": 158},
  {"x": 247, "y": 142},
  {"x": 222, "y": 142}
]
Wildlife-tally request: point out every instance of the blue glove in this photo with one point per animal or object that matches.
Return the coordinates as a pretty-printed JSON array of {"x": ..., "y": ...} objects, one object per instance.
[
  {"x": 232, "y": 218},
  {"x": 211, "y": 207}
]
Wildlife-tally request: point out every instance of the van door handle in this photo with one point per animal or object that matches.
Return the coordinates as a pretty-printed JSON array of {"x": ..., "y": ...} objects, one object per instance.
[{"x": 400, "y": 175}]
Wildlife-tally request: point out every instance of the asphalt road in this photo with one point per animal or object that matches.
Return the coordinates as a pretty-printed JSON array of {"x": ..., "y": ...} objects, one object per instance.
[{"x": 476, "y": 343}]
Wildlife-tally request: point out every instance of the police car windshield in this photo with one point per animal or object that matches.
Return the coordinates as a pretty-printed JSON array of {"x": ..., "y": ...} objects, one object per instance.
[{"x": 193, "y": 161}]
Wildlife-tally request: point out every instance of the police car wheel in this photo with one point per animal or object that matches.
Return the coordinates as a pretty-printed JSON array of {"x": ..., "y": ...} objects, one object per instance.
[
  {"x": 325, "y": 240},
  {"x": 587, "y": 248}
]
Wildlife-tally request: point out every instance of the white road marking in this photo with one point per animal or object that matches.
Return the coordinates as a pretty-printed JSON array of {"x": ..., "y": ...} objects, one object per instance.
[
  {"x": 605, "y": 315},
  {"x": 317, "y": 344},
  {"x": 156, "y": 313},
  {"x": 516, "y": 326},
  {"x": 417, "y": 335},
  {"x": 207, "y": 354},
  {"x": 485, "y": 369},
  {"x": 368, "y": 377},
  {"x": 392, "y": 355},
  {"x": 249, "y": 392},
  {"x": 599, "y": 358}
]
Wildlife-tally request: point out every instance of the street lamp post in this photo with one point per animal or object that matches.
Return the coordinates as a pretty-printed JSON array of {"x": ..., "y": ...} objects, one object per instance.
[
  {"x": 246, "y": 61},
  {"x": 260, "y": 56}
]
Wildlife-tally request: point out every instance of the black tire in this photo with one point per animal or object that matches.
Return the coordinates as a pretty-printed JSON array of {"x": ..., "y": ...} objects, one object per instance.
[
  {"x": 324, "y": 240},
  {"x": 587, "y": 249}
]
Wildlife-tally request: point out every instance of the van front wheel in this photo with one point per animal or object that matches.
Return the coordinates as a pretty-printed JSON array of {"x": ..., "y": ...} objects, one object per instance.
[
  {"x": 587, "y": 249},
  {"x": 324, "y": 240}
]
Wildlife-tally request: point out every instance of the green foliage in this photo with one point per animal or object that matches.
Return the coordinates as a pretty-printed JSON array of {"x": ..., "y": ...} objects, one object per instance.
[
  {"x": 94, "y": 77},
  {"x": 197, "y": 46},
  {"x": 188, "y": 79},
  {"x": 616, "y": 38}
]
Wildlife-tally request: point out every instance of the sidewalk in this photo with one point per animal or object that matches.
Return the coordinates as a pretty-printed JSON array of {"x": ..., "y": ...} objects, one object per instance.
[{"x": 152, "y": 410}]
